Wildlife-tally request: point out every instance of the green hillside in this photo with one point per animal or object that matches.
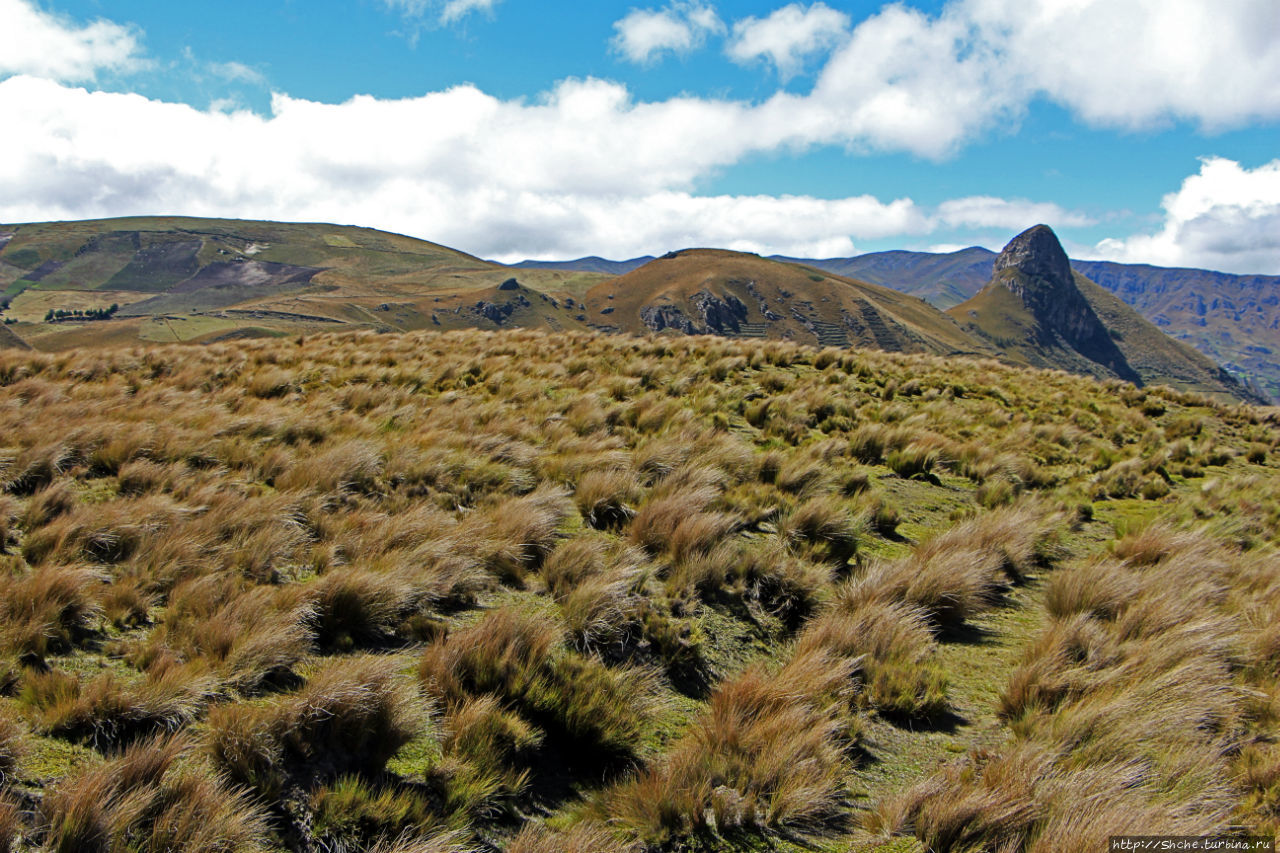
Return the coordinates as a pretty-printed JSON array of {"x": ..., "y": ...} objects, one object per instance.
[{"x": 181, "y": 279}]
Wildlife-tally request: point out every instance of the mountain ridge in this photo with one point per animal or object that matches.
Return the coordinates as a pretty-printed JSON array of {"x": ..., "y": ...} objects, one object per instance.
[
  {"x": 171, "y": 279},
  {"x": 1233, "y": 319}
]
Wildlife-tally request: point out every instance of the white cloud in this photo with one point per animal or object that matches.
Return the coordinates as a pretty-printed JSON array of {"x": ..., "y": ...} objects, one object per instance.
[
  {"x": 1225, "y": 217},
  {"x": 237, "y": 72},
  {"x": 444, "y": 11},
  {"x": 991, "y": 212},
  {"x": 455, "y": 10},
  {"x": 788, "y": 36},
  {"x": 645, "y": 34},
  {"x": 583, "y": 170},
  {"x": 1134, "y": 63},
  {"x": 38, "y": 43}
]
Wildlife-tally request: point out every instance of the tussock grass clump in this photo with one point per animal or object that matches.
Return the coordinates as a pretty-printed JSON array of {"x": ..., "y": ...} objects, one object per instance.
[
  {"x": 142, "y": 801},
  {"x": 48, "y": 610},
  {"x": 827, "y": 528},
  {"x": 247, "y": 637},
  {"x": 12, "y": 822},
  {"x": 893, "y": 644},
  {"x": 513, "y": 536},
  {"x": 769, "y": 751},
  {"x": 677, "y": 522},
  {"x": 964, "y": 571},
  {"x": 37, "y": 466},
  {"x": 579, "y": 838},
  {"x": 518, "y": 657},
  {"x": 353, "y": 813},
  {"x": 352, "y": 715},
  {"x": 49, "y": 503},
  {"x": 606, "y": 498},
  {"x": 13, "y": 746},
  {"x": 346, "y": 467},
  {"x": 106, "y": 710}
]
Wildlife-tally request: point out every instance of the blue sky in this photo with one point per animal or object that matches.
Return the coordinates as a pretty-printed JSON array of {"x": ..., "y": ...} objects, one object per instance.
[{"x": 1141, "y": 130}]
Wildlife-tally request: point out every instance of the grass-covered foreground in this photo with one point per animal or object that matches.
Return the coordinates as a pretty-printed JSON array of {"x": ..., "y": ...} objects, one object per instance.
[{"x": 531, "y": 593}]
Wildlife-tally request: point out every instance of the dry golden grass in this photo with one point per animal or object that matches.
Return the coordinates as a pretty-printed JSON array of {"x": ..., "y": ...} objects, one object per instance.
[
  {"x": 141, "y": 801},
  {"x": 672, "y": 577},
  {"x": 353, "y": 714},
  {"x": 769, "y": 751}
]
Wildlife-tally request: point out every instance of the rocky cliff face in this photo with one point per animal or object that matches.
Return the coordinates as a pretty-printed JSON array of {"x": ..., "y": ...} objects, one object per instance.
[{"x": 1034, "y": 267}]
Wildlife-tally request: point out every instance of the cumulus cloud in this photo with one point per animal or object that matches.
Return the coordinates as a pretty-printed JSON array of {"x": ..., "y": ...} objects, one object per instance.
[
  {"x": 38, "y": 43},
  {"x": 788, "y": 36},
  {"x": 991, "y": 212},
  {"x": 580, "y": 171},
  {"x": 1134, "y": 63},
  {"x": 645, "y": 34},
  {"x": 585, "y": 168},
  {"x": 444, "y": 11},
  {"x": 1225, "y": 217}
]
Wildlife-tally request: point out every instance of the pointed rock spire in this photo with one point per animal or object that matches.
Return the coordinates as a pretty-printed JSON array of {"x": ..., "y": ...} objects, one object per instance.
[
  {"x": 1035, "y": 268},
  {"x": 1038, "y": 255}
]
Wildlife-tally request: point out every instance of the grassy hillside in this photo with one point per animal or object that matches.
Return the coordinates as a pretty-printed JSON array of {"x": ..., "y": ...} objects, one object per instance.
[
  {"x": 536, "y": 592},
  {"x": 1231, "y": 319},
  {"x": 181, "y": 279},
  {"x": 1150, "y": 352},
  {"x": 1134, "y": 349},
  {"x": 732, "y": 293}
]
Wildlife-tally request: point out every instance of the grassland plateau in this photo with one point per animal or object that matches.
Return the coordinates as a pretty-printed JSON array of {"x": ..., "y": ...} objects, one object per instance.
[{"x": 552, "y": 590}]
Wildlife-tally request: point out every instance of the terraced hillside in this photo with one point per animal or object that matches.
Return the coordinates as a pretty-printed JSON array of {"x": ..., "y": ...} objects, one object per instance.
[{"x": 530, "y": 591}]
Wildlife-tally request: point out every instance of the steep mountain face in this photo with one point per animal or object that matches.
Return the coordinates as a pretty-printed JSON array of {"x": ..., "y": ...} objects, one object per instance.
[
  {"x": 1232, "y": 319},
  {"x": 1040, "y": 312},
  {"x": 1035, "y": 269}
]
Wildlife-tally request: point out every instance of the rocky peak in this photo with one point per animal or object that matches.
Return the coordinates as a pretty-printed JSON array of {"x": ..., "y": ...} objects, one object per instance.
[
  {"x": 1037, "y": 254},
  {"x": 1034, "y": 267}
]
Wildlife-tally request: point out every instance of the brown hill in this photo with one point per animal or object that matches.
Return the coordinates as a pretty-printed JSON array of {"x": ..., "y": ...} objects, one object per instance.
[
  {"x": 10, "y": 340},
  {"x": 712, "y": 291}
]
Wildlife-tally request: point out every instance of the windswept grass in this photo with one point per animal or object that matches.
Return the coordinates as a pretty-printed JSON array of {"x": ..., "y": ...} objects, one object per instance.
[
  {"x": 526, "y": 591},
  {"x": 142, "y": 801}
]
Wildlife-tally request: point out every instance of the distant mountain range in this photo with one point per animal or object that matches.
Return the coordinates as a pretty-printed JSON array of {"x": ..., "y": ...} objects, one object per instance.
[
  {"x": 1232, "y": 319},
  {"x": 167, "y": 279}
]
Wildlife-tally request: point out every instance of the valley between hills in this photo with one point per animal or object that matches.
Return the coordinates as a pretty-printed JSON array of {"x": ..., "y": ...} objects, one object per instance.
[{"x": 323, "y": 539}]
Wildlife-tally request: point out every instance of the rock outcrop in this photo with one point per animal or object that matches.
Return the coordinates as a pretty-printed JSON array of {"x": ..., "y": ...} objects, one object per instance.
[{"x": 1034, "y": 267}]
